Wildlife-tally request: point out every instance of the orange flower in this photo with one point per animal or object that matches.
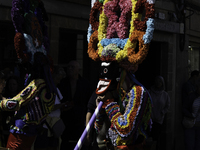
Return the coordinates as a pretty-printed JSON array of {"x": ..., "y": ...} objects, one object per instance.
[
  {"x": 150, "y": 13},
  {"x": 92, "y": 46},
  {"x": 93, "y": 13},
  {"x": 137, "y": 58},
  {"x": 19, "y": 44}
]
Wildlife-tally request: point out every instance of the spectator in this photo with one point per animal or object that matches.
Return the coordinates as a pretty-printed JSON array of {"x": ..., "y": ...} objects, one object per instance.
[
  {"x": 195, "y": 131},
  {"x": 2, "y": 85},
  {"x": 12, "y": 88},
  {"x": 7, "y": 72},
  {"x": 91, "y": 136},
  {"x": 76, "y": 92},
  {"x": 190, "y": 86},
  {"x": 191, "y": 120},
  {"x": 189, "y": 93},
  {"x": 161, "y": 104}
]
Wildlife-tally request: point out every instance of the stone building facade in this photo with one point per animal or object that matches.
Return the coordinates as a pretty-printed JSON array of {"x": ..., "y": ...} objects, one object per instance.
[
  {"x": 174, "y": 51},
  {"x": 177, "y": 25}
]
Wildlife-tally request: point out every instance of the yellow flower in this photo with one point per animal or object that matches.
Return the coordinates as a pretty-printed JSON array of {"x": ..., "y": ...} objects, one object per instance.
[
  {"x": 103, "y": 23},
  {"x": 119, "y": 141}
]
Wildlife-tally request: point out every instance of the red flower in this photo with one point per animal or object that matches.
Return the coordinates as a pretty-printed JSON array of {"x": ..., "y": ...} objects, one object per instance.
[
  {"x": 150, "y": 13},
  {"x": 19, "y": 44},
  {"x": 92, "y": 46},
  {"x": 93, "y": 15}
]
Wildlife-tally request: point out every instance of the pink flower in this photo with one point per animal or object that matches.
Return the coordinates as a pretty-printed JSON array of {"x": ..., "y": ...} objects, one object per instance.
[{"x": 110, "y": 10}]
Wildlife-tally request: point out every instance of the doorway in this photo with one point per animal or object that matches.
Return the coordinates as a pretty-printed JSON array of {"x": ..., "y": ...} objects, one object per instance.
[{"x": 155, "y": 64}]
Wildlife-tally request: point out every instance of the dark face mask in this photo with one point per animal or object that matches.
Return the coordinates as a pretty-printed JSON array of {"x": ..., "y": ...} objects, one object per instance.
[{"x": 108, "y": 77}]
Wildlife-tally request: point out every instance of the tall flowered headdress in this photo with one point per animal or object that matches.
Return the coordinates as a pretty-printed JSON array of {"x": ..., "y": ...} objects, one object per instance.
[
  {"x": 115, "y": 37},
  {"x": 31, "y": 36},
  {"x": 31, "y": 40}
]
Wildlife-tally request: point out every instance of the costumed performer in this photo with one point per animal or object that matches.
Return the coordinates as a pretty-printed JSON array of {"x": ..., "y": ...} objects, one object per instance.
[
  {"x": 36, "y": 100},
  {"x": 126, "y": 102}
]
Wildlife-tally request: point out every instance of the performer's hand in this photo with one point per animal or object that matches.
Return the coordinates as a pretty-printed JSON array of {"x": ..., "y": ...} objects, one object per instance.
[
  {"x": 99, "y": 98},
  {"x": 108, "y": 95},
  {"x": 88, "y": 140}
]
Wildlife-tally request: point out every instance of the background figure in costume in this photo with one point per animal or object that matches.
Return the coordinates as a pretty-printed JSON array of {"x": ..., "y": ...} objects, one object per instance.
[
  {"x": 124, "y": 121},
  {"x": 31, "y": 107},
  {"x": 161, "y": 104},
  {"x": 36, "y": 100},
  {"x": 76, "y": 93}
]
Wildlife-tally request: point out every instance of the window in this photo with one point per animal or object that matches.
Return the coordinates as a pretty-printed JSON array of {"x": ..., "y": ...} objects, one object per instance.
[
  {"x": 73, "y": 46},
  {"x": 193, "y": 58}
]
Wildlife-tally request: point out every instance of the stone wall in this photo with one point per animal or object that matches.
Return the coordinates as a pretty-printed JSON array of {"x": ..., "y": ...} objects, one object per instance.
[{"x": 57, "y": 22}]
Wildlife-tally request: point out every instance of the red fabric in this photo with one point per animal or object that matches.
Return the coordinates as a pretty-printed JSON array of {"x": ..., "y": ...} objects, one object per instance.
[
  {"x": 108, "y": 101},
  {"x": 20, "y": 141},
  {"x": 125, "y": 147},
  {"x": 122, "y": 147}
]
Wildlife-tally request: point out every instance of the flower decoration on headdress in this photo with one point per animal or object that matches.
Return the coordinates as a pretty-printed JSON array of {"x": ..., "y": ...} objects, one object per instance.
[
  {"x": 109, "y": 52},
  {"x": 120, "y": 25},
  {"x": 31, "y": 36}
]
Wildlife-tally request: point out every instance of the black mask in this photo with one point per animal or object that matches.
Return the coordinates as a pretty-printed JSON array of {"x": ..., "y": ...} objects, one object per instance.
[{"x": 108, "y": 77}]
